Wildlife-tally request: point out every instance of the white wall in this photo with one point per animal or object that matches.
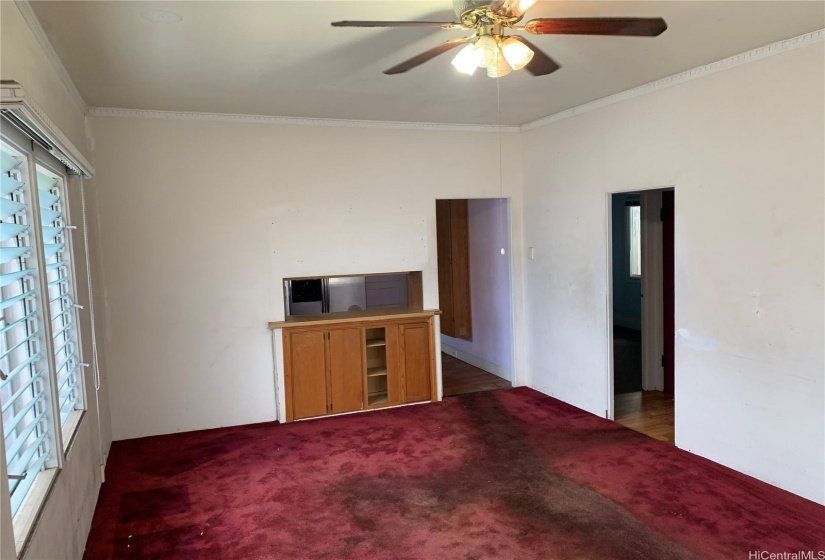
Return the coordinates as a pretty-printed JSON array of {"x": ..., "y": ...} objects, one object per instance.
[
  {"x": 201, "y": 220},
  {"x": 23, "y": 60},
  {"x": 66, "y": 516},
  {"x": 490, "y": 347},
  {"x": 744, "y": 150}
]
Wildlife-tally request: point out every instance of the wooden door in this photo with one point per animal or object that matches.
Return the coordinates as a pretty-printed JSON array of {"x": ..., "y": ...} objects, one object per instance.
[
  {"x": 416, "y": 361},
  {"x": 453, "y": 248},
  {"x": 460, "y": 257},
  {"x": 346, "y": 370},
  {"x": 306, "y": 374},
  {"x": 445, "y": 270}
]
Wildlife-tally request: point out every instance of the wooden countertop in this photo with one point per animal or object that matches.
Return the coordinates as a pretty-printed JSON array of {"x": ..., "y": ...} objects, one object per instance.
[{"x": 352, "y": 316}]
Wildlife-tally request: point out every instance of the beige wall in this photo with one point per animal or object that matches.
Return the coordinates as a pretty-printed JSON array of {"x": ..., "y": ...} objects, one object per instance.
[
  {"x": 23, "y": 60},
  {"x": 744, "y": 150},
  {"x": 66, "y": 517},
  {"x": 201, "y": 221}
]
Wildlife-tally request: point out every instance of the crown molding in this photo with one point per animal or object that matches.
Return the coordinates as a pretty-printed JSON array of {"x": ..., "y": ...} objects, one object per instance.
[
  {"x": 40, "y": 35},
  {"x": 300, "y": 121},
  {"x": 693, "y": 74}
]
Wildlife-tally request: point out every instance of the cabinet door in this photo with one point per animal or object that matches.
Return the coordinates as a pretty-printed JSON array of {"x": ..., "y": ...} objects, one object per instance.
[
  {"x": 346, "y": 369},
  {"x": 416, "y": 361},
  {"x": 307, "y": 374}
]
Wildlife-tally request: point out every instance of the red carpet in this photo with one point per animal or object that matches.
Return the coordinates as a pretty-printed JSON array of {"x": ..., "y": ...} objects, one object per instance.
[{"x": 506, "y": 475}]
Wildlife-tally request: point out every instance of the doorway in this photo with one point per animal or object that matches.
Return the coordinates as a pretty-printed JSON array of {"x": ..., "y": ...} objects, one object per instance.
[
  {"x": 642, "y": 311},
  {"x": 474, "y": 286}
]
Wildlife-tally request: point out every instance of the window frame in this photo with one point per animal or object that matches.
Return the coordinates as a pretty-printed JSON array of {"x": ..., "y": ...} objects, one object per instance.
[
  {"x": 60, "y": 436},
  {"x": 629, "y": 205},
  {"x": 50, "y": 164}
]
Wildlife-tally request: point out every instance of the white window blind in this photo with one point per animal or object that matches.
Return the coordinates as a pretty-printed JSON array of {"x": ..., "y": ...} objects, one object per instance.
[
  {"x": 24, "y": 383},
  {"x": 59, "y": 281}
]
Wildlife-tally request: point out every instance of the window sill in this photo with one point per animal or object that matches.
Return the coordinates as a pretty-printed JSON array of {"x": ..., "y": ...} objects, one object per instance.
[{"x": 70, "y": 430}]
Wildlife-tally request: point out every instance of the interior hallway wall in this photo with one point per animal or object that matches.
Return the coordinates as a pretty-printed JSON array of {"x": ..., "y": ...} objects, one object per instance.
[
  {"x": 745, "y": 151},
  {"x": 491, "y": 345}
]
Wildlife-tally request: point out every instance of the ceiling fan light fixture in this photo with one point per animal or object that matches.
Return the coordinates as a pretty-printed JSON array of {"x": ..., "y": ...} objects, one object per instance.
[
  {"x": 499, "y": 68},
  {"x": 511, "y": 8},
  {"x": 517, "y": 54},
  {"x": 488, "y": 47},
  {"x": 524, "y": 5},
  {"x": 468, "y": 59}
]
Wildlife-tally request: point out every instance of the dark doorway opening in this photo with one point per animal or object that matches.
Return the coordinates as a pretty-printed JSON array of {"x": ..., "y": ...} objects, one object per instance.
[{"x": 642, "y": 241}]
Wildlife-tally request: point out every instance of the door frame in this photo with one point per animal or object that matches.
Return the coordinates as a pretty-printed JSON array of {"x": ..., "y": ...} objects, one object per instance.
[
  {"x": 651, "y": 360},
  {"x": 510, "y": 323}
]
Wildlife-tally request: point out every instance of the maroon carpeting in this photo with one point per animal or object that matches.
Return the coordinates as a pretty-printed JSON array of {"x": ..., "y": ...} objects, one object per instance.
[{"x": 507, "y": 475}]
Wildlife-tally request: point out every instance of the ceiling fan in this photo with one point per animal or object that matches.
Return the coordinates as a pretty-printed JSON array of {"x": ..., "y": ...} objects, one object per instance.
[{"x": 500, "y": 54}]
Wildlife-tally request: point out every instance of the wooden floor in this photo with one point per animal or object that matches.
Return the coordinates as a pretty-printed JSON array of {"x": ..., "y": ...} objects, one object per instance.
[
  {"x": 649, "y": 412},
  {"x": 460, "y": 378}
]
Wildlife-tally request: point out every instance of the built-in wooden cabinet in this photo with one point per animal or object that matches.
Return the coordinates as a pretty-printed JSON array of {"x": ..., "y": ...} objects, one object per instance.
[{"x": 330, "y": 367}]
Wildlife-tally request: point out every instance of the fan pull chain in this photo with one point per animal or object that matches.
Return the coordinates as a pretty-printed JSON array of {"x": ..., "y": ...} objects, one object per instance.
[{"x": 500, "y": 166}]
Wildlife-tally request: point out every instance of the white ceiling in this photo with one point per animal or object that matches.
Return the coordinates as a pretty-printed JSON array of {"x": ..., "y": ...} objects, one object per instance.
[{"x": 282, "y": 58}]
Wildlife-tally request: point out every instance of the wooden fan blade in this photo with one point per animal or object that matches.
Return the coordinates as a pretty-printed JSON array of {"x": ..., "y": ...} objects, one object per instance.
[
  {"x": 541, "y": 64},
  {"x": 637, "y": 27},
  {"x": 427, "y": 55},
  {"x": 439, "y": 24}
]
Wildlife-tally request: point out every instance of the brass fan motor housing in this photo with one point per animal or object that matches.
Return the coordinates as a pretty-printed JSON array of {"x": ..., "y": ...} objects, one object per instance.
[{"x": 477, "y": 14}]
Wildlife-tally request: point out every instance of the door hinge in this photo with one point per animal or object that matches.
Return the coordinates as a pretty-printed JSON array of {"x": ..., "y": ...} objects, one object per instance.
[{"x": 663, "y": 360}]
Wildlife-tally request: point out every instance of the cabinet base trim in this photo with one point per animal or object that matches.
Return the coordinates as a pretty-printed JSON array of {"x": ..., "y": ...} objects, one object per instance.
[{"x": 334, "y": 414}]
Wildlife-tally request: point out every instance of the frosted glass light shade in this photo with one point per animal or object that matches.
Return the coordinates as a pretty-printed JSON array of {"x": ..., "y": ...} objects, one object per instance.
[
  {"x": 511, "y": 8},
  {"x": 516, "y": 53},
  {"x": 468, "y": 59},
  {"x": 488, "y": 47},
  {"x": 499, "y": 67}
]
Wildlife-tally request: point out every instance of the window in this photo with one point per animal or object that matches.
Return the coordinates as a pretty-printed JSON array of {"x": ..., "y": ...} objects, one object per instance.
[
  {"x": 40, "y": 380},
  {"x": 634, "y": 239},
  {"x": 59, "y": 283}
]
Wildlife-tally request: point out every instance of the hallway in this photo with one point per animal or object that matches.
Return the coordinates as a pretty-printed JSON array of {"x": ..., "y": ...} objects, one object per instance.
[{"x": 460, "y": 378}]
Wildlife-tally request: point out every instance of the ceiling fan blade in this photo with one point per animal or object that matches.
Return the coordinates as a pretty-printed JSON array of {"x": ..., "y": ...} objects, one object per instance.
[
  {"x": 637, "y": 27},
  {"x": 541, "y": 64},
  {"x": 427, "y": 55},
  {"x": 439, "y": 24}
]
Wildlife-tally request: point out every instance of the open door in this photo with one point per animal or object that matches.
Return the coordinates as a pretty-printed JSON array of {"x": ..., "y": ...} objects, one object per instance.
[{"x": 453, "y": 240}]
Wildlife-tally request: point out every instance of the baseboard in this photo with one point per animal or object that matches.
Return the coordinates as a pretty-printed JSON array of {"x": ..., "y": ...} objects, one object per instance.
[{"x": 480, "y": 363}]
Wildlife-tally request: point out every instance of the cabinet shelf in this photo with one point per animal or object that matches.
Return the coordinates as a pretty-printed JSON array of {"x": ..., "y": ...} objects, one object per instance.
[
  {"x": 375, "y": 342},
  {"x": 377, "y": 398},
  {"x": 377, "y": 371}
]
